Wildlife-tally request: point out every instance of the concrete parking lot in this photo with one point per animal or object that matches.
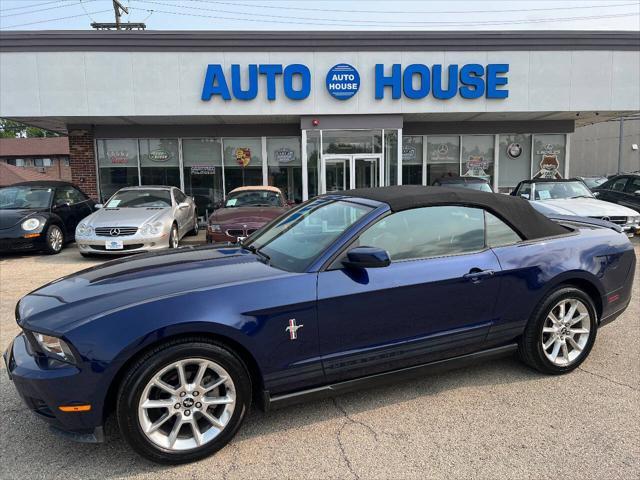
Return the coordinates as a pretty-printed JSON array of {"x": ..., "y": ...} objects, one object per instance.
[{"x": 494, "y": 420}]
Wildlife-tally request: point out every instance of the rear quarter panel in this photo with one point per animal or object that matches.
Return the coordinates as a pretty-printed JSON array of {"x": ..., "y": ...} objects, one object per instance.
[{"x": 530, "y": 270}]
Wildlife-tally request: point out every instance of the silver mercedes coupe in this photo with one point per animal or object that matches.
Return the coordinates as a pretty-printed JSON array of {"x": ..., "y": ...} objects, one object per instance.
[{"x": 138, "y": 219}]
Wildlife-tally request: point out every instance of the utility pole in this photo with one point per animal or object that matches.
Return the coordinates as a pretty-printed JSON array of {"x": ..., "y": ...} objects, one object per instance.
[
  {"x": 620, "y": 143},
  {"x": 118, "y": 8}
]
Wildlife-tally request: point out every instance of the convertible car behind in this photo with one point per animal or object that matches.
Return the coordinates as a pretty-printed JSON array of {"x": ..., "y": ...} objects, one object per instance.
[{"x": 344, "y": 291}]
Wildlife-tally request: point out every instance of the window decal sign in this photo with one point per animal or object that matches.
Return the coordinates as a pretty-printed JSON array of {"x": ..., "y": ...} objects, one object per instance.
[
  {"x": 476, "y": 166},
  {"x": 549, "y": 164},
  {"x": 514, "y": 150},
  {"x": 408, "y": 153},
  {"x": 203, "y": 170},
  {"x": 159, "y": 155},
  {"x": 243, "y": 156},
  {"x": 118, "y": 157},
  {"x": 285, "y": 155}
]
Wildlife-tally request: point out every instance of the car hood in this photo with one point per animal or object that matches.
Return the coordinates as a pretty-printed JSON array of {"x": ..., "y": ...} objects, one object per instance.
[
  {"x": 93, "y": 293},
  {"x": 122, "y": 217},
  {"x": 246, "y": 214},
  {"x": 9, "y": 217},
  {"x": 582, "y": 207}
]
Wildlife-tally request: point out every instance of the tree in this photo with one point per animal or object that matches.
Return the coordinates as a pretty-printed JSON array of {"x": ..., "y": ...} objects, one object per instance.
[{"x": 11, "y": 129}]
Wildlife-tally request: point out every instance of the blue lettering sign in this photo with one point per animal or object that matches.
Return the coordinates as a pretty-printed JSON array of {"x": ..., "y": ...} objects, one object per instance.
[
  {"x": 394, "y": 81},
  {"x": 452, "y": 82},
  {"x": 343, "y": 81},
  {"x": 471, "y": 79},
  {"x": 236, "y": 83},
  {"x": 493, "y": 81},
  {"x": 305, "y": 77},
  {"x": 215, "y": 83},
  {"x": 420, "y": 72},
  {"x": 270, "y": 71}
]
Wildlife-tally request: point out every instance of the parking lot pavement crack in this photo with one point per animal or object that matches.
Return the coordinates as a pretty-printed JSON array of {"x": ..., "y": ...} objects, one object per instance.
[
  {"x": 343, "y": 452},
  {"x": 352, "y": 420},
  {"x": 604, "y": 377}
]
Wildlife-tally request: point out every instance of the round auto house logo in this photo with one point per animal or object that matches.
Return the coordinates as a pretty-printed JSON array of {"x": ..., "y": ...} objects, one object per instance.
[{"x": 343, "y": 81}]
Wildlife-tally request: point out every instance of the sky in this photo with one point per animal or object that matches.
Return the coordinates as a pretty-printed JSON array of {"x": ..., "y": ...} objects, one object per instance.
[{"x": 327, "y": 14}]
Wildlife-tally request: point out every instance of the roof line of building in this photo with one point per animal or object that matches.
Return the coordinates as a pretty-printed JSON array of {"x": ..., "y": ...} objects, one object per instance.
[{"x": 167, "y": 40}]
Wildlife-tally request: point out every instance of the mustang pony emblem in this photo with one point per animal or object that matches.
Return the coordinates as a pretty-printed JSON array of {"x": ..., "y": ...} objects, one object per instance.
[{"x": 292, "y": 329}]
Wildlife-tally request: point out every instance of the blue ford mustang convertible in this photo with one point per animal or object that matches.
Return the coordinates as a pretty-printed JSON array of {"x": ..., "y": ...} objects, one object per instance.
[{"x": 344, "y": 291}]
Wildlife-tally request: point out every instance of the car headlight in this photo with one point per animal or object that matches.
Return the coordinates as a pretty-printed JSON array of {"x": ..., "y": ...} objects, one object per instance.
[
  {"x": 215, "y": 227},
  {"x": 154, "y": 228},
  {"x": 31, "y": 224},
  {"x": 635, "y": 220},
  {"x": 84, "y": 230},
  {"x": 55, "y": 346}
]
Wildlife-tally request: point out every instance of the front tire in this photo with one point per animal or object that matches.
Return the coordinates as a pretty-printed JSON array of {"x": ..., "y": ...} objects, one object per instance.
[
  {"x": 54, "y": 240},
  {"x": 560, "y": 333},
  {"x": 174, "y": 237},
  {"x": 183, "y": 401}
]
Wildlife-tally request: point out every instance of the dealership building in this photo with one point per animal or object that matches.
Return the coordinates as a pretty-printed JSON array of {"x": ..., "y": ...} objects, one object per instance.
[{"x": 313, "y": 112}]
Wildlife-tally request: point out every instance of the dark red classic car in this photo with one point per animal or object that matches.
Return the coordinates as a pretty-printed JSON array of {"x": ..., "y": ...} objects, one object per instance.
[{"x": 245, "y": 210}]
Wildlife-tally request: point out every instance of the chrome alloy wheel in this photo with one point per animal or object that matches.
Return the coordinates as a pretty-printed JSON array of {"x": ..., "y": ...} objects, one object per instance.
[
  {"x": 565, "y": 332},
  {"x": 55, "y": 238},
  {"x": 174, "y": 237},
  {"x": 187, "y": 404}
]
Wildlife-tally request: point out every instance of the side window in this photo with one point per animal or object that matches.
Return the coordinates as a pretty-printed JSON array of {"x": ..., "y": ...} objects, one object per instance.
[
  {"x": 76, "y": 195},
  {"x": 525, "y": 189},
  {"x": 179, "y": 196},
  {"x": 498, "y": 232},
  {"x": 427, "y": 232},
  {"x": 65, "y": 195},
  {"x": 618, "y": 184},
  {"x": 633, "y": 185}
]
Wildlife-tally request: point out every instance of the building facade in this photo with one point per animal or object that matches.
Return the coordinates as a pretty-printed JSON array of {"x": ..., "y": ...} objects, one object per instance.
[
  {"x": 47, "y": 155},
  {"x": 313, "y": 112}
]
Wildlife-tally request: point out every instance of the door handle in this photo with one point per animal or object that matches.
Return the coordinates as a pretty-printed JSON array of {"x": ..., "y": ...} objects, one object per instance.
[{"x": 476, "y": 275}]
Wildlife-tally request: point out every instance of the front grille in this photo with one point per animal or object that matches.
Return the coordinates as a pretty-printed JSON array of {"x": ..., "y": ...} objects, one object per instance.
[
  {"x": 616, "y": 220},
  {"x": 235, "y": 232},
  {"x": 102, "y": 248},
  {"x": 251, "y": 230},
  {"x": 116, "y": 231},
  {"x": 17, "y": 244}
]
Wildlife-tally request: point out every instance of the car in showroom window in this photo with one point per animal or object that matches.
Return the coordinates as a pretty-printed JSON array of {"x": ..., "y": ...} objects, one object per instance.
[{"x": 344, "y": 291}]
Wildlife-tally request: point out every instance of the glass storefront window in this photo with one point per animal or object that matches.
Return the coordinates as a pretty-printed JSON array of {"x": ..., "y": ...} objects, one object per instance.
[
  {"x": 284, "y": 164},
  {"x": 443, "y": 157},
  {"x": 514, "y": 160},
  {"x": 412, "y": 160},
  {"x": 548, "y": 156},
  {"x": 117, "y": 165},
  {"x": 159, "y": 162},
  {"x": 477, "y": 156},
  {"x": 352, "y": 141},
  {"x": 313, "y": 162},
  {"x": 391, "y": 156},
  {"x": 242, "y": 162},
  {"x": 202, "y": 158}
]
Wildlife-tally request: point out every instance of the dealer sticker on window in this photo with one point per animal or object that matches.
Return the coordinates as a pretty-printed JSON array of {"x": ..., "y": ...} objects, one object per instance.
[{"x": 113, "y": 245}]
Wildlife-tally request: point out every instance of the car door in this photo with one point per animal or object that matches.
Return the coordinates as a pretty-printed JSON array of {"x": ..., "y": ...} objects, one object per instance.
[
  {"x": 435, "y": 300},
  {"x": 183, "y": 212},
  {"x": 631, "y": 194},
  {"x": 63, "y": 206}
]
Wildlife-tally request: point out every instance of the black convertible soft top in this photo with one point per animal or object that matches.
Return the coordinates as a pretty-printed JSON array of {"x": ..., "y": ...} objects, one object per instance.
[{"x": 516, "y": 212}]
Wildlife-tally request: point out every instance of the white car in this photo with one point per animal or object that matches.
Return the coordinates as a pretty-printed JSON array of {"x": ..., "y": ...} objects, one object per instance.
[
  {"x": 572, "y": 197},
  {"x": 138, "y": 219}
]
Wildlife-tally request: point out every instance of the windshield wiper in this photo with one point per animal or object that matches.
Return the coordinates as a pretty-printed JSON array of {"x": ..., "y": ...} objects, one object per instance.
[{"x": 256, "y": 251}]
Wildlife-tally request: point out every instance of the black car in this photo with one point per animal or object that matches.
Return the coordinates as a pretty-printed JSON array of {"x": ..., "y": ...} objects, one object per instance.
[
  {"x": 473, "y": 183},
  {"x": 41, "y": 215},
  {"x": 621, "y": 189}
]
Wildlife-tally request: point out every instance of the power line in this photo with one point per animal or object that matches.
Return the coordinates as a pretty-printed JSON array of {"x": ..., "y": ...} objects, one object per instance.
[
  {"x": 307, "y": 9},
  {"x": 53, "y": 19},
  {"x": 45, "y": 9},
  {"x": 34, "y": 5},
  {"x": 310, "y": 21}
]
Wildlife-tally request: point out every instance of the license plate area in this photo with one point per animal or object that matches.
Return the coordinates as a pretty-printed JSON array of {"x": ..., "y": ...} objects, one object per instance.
[{"x": 113, "y": 245}]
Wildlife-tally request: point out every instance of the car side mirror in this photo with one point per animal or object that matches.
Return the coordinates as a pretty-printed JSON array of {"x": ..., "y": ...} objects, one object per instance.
[
  {"x": 367, "y": 257},
  {"x": 637, "y": 193},
  {"x": 595, "y": 194},
  {"x": 526, "y": 196},
  {"x": 182, "y": 205},
  {"x": 98, "y": 206},
  {"x": 61, "y": 204}
]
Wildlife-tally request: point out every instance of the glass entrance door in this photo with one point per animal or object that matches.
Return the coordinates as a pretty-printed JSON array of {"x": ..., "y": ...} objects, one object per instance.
[{"x": 343, "y": 172}]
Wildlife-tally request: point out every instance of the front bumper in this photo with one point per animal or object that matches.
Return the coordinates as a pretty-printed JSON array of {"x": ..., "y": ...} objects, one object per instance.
[
  {"x": 13, "y": 240},
  {"x": 96, "y": 245},
  {"x": 44, "y": 385}
]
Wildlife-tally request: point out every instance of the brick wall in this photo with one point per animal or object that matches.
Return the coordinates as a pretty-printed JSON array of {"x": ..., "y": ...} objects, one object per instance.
[{"x": 82, "y": 161}]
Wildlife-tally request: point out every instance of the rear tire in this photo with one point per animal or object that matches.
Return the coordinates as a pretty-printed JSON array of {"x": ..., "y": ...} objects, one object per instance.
[
  {"x": 196, "y": 228},
  {"x": 560, "y": 332},
  {"x": 54, "y": 240},
  {"x": 194, "y": 423}
]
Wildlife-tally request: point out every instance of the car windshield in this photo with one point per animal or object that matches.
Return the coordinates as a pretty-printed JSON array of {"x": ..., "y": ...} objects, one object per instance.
[
  {"x": 555, "y": 190},
  {"x": 140, "y": 199},
  {"x": 295, "y": 240},
  {"x": 481, "y": 186},
  {"x": 25, "y": 197},
  {"x": 254, "y": 198}
]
